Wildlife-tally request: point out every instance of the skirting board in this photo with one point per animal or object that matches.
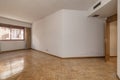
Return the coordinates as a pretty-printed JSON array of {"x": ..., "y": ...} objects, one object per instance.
[
  {"x": 12, "y": 50},
  {"x": 71, "y": 57},
  {"x": 47, "y": 53},
  {"x": 118, "y": 77},
  {"x": 54, "y": 55}
]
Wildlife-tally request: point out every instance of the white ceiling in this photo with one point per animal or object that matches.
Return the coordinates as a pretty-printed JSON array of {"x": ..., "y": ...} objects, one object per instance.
[{"x": 32, "y": 10}]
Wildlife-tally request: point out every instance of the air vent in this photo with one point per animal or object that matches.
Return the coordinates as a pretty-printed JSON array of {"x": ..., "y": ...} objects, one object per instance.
[
  {"x": 97, "y": 5},
  {"x": 95, "y": 15}
]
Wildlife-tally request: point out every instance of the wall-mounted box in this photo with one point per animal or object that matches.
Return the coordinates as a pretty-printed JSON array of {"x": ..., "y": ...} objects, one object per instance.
[{"x": 103, "y": 8}]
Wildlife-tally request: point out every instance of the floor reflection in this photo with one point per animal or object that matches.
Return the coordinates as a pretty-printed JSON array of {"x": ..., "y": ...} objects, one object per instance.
[{"x": 11, "y": 67}]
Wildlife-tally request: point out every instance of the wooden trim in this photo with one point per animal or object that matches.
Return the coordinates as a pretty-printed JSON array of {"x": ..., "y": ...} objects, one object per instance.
[
  {"x": 118, "y": 77},
  {"x": 13, "y": 40},
  {"x": 112, "y": 18},
  {"x": 47, "y": 53},
  {"x": 107, "y": 41},
  {"x": 51, "y": 54},
  {"x": 107, "y": 36},
  {"x": 69, "y": 57},
  {"x": 84, "y": 57},
  {"x": 28, "y": 37},
  {"x": 12, "y": 51},
  {"x": 9, "y": 25},
  {"x": 113, "y": 56}
]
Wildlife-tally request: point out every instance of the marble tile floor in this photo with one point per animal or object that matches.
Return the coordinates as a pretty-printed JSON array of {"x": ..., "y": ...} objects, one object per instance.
[{"x": 34, "y": 65}]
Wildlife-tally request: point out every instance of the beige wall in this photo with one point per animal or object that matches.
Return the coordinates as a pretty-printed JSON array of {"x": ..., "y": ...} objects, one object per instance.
[{"x": 113, "y": 38}]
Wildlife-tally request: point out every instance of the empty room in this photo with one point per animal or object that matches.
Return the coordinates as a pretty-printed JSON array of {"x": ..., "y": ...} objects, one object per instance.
[{"x": 59, "y": 39}]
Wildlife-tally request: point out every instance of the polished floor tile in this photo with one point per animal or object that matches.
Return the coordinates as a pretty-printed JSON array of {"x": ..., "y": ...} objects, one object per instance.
[{"x": 33, "y": 65}]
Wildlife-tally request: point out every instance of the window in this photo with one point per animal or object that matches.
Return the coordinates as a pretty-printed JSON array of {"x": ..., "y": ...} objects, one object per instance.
[
  {"x": 4, "y": 33},
  {"x": 11, "y": 33},
  {"x": 17, "y": 34}
]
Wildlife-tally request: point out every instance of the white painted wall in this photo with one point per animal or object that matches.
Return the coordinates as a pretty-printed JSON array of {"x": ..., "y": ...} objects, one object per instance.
[
  {"x": 47, "y": 34},
  {"x": 12, "y": 45},
  {"x": 69, "y": 33},
  {"x": 83, "y": 36},
  {"x": 118, "y": 48}
]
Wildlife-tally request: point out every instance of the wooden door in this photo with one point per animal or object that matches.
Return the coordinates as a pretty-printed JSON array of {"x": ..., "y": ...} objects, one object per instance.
[{"x": 107, "y": 36}]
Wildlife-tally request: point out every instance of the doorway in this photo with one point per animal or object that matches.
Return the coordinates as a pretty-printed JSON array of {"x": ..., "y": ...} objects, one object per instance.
[{"x": 111, "y": 37}]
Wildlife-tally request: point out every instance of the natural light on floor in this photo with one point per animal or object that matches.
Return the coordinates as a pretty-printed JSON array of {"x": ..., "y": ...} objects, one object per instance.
[{"x": 11, "y": 68}]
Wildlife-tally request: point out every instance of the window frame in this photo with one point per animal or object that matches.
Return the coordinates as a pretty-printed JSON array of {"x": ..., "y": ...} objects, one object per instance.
[{"x": 13, "y": 27}]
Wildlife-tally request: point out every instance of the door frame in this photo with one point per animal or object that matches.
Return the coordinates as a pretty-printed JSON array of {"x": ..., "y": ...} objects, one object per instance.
[{"x": 107, "y": 36}]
